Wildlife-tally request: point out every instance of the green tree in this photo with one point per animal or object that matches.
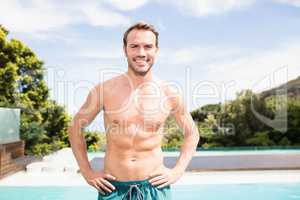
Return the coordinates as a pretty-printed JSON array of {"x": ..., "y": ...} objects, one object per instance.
[
  {"x": 95, "y": 141},
  {"x": 260, "y": 139},
  {"x": 43, "y": 122},
  {"x": 173, "y": 136}
]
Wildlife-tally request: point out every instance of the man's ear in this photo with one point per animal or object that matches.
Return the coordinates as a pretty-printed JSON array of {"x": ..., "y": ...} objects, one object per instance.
[{"x": 125, "y": 51}]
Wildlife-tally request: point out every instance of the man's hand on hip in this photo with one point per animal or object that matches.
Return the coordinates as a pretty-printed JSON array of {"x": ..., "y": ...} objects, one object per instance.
[
  {"x": 164, "y": 177},
  {"x": 99, "y": 180}
]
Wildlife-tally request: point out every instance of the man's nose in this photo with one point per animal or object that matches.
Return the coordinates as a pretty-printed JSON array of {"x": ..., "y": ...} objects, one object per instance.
[{"x": 141, "y": 52}]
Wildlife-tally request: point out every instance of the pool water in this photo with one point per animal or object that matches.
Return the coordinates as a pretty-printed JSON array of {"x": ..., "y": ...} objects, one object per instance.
[{"x": 290, "y": 191}]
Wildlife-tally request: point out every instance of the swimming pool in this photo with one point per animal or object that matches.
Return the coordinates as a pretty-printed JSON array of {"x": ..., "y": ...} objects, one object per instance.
[{"x": 287, "y": 191}]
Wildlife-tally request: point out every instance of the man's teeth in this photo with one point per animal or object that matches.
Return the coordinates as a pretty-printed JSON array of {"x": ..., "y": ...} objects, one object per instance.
[{"x": 140, "y": 61}]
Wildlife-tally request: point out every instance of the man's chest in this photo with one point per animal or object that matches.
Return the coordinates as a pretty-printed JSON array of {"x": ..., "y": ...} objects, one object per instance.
[{"x": 145, "y": 109}]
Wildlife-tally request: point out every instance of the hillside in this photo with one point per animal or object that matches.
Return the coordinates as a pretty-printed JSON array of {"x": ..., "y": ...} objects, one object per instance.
[{"x": 292, "y": 86}]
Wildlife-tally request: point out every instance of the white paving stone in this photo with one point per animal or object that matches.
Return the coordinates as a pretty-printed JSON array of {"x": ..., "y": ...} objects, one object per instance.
[
  {"x": 189, "y": 178},
  {"x": 61, "y": 169}
]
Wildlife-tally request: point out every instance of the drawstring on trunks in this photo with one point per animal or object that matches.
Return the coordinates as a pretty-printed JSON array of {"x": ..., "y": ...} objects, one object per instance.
[{"x": 139, "y": 193}]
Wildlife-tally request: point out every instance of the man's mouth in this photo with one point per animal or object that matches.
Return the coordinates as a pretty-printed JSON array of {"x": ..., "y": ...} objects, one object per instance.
[{"x": 140, "y": 61}]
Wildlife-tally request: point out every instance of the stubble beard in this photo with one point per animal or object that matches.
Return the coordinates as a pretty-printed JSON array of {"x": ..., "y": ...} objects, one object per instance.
[{"x": 137, "y": 72}]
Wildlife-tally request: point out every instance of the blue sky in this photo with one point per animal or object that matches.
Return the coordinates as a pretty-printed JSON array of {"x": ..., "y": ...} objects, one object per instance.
[{"x": 210, "y": 48}]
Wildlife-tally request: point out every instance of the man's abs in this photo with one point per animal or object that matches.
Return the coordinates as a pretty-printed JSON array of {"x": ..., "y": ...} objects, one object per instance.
[{"x": 133, "y": 160}]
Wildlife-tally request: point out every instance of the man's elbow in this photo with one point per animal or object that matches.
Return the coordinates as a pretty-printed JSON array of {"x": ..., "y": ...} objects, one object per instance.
[
  {"x": 193, "y": 136},
  {"x": 196, "y": 138},
  {"x": 70, "y": 130},
  {"x": 73, "y": 128},
  {"x": 196, "y": 135}
]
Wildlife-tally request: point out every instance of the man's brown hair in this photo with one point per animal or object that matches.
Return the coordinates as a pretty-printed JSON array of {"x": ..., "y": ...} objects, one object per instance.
[{"x": 141, "y": 26}]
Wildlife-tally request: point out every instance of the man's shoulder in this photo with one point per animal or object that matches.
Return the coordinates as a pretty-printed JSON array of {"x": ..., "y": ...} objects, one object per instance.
[
  {"x": 110, "y": 84},
  {"x": 170, "y": 88}
]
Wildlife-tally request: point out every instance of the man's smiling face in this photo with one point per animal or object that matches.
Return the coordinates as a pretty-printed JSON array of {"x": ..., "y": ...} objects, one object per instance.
[{"x": 140, "y": 51}]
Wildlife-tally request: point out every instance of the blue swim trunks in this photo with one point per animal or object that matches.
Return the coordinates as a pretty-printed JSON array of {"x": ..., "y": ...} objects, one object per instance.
[{"x": 136, "y": 190}]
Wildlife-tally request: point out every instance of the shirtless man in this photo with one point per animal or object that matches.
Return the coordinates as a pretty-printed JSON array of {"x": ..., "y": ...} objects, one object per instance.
[{"x": 135, "y": 105}]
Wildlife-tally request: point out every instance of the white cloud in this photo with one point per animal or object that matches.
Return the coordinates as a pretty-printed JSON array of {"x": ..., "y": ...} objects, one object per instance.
[
  {"x": 257, "y": 70},
  {"x": 41, "y": 16},
  {"x": 101, "y": 53},
  {"x": 99, "y": 16},
  {"x": 201, "y": 55},
  {"x": 290, "y": 2},
  {"x": 252, "y": 68},
  {"x": 127, "y": 5},
  {"x": 31, "y": 18},
  {"x": 242, "y": 68},
  {"x": 208, "y": 7},
  {"x": 36, "y": 16}
]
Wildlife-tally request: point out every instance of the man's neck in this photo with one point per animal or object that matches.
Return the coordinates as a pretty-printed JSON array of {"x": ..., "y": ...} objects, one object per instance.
[{"x": 137, "y": 80}]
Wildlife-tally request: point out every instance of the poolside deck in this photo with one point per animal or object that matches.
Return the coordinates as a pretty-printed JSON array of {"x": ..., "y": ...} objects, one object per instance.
[
  {"x": 189, "y": 178},
  {"x": 205, "y": 168}
]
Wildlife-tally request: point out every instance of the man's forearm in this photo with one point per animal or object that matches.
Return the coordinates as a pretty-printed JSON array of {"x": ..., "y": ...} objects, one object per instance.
[
  {"x": 187, "y": 151},
  {"x": 78, "y": 145}
]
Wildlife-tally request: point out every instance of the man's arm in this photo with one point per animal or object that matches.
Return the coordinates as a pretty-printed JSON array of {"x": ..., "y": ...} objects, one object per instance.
[
  {"x": 88, "y": 111},
  {"x": 191, "y": 139},
  {"x": 190, "y": 131}
]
